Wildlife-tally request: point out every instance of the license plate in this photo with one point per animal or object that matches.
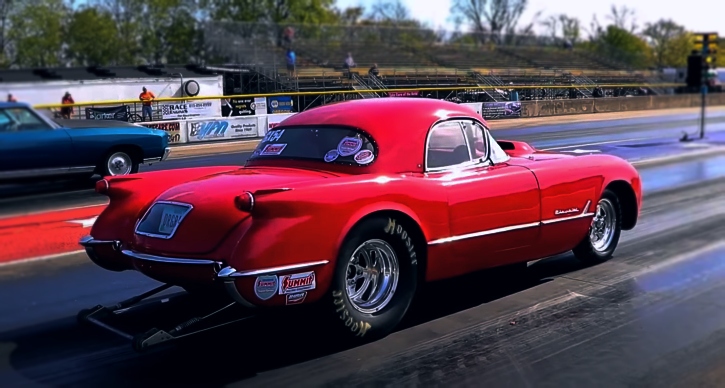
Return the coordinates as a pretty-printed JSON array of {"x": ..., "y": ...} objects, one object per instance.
[
  {"x": 163, "y": 219},
  {"x": 170, "y": 218}
]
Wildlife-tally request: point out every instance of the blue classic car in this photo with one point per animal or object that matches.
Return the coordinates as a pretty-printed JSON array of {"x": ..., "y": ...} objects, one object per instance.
[{"x": 34, "y": 146}]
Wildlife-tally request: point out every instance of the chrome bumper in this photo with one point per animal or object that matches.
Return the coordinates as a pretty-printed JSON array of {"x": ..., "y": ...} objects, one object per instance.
[
  {"x": 163, "y": 157},
  {"x": 225, "y": 274}
]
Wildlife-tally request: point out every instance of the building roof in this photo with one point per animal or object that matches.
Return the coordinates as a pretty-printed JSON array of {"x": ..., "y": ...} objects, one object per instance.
[{"x": 95, "y": 72}]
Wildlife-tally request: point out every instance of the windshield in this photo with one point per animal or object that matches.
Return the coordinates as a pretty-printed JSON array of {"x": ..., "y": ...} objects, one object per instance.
[{"x": 325, "y": 144}]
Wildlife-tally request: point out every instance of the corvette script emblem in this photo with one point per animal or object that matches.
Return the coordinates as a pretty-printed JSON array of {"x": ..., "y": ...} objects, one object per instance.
[{"x": 567, "y": 211}]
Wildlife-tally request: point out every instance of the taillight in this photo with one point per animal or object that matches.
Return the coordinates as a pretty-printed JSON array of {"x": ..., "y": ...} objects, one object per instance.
[
  {"x": 244, "y": 202},
  {"x": 102, "y": 186}
]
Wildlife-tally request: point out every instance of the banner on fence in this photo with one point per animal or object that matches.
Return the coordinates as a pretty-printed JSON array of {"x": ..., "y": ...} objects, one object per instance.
[
  {"x": 238, "y": 107},
  {"x": 187, "y": 110},
  {"x": 496, "y": 110},
  {"x": 117, "y": 113},
  {"x": 274, "y": 120},
  {"x": 413, "y": 93},
  {"x": 282, "y": 104},
  {"x": 222, "y": 129},
  {"x": 260, "y": 106},
  {"x": 172, "y": 128}
]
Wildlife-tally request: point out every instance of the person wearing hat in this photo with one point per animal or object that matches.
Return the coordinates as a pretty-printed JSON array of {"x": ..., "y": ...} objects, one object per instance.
[{"x": 146, "y": 97}]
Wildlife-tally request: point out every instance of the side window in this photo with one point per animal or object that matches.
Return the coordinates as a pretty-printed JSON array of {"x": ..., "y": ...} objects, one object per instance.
[
  {"x": 6, "y": 123},
  {"x": 26, "y": 120},
  {"x": 447, "y": 146},
  {"x": 477, "y": 141}
]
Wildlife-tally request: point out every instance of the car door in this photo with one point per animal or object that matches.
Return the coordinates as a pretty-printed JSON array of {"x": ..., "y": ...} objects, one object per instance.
[
  {"x": 494, "y": 207},
  {"x": 30, "y": 147}
]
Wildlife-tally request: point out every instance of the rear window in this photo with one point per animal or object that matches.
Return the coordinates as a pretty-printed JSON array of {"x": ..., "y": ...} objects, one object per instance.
[{"x": 324, "y": 144}]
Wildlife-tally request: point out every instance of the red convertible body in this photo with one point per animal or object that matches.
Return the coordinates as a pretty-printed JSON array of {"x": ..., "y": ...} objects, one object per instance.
[{"x": 355, "y": 204}]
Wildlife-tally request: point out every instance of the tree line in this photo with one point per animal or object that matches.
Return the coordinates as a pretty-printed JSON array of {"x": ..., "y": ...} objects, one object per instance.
[{"x": 53, "y": 33}]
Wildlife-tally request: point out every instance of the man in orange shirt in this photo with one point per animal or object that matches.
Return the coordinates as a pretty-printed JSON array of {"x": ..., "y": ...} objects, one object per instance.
[
  {"x": 146, "y": 97},
  {"x": 66, "y": 111}
]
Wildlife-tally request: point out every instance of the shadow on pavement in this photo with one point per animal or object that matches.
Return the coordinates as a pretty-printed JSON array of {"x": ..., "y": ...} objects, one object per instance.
[{"x": 62, "y": 353}]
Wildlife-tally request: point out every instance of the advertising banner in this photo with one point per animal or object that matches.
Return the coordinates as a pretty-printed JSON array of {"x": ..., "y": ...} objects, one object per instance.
[
  {"x": 238, "y": 107},
  {"x": 172, "y": 128},
  {"x": 274, "y": 120},
  {"x": 282, "y": 104},
  {"x": 414, "y": 93},
  {"x": 117, "y": 113},
  {"x": 186, "y": 110},
  {"x": 260, "y": 106},
  {"x": 496, "y": 110},
  {"x": 222, "y": 129}
]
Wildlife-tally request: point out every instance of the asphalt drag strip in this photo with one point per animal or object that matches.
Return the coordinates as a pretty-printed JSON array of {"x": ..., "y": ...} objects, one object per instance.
[{"x": 557, "y": 323}]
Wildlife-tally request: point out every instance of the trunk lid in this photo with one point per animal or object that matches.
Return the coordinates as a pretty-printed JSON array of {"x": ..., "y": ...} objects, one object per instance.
[{"x": 193, "y": 218}]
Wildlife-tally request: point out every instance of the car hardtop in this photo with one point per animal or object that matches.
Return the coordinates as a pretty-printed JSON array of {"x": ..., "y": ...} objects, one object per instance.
[{"x": 397, "y": 129}]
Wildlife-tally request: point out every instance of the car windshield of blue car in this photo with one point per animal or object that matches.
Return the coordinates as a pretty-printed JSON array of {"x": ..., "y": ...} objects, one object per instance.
[
  {"x": 21, "y": 119},
  {"x": 325, "y": 144}
]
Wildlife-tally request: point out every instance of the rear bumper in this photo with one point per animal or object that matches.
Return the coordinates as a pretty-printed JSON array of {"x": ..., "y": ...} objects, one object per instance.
[
  {"x": 183, "y": 271},
  {"x": 163, "y": 157}
]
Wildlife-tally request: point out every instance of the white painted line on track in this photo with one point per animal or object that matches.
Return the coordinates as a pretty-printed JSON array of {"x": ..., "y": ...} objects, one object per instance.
[
  {"x": 598, "y": 143},
  {"x": 41, "y": 258}
]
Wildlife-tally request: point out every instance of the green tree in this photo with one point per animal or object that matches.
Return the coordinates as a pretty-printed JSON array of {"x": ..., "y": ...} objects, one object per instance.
[
  {"x": 671, "y": 44},
  {"x": 92, "y": 37},
  {"x": 615, "y": 43},
  {"x": 168, "y": 31},
  {"x": 37, "y": 33},
  {"x": 127, "y": 15}
]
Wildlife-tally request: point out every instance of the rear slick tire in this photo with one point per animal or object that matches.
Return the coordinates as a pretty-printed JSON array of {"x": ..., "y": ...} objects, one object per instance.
[
  {"x": 375, "y": 279},
  {"x": 603, "y": 234}
]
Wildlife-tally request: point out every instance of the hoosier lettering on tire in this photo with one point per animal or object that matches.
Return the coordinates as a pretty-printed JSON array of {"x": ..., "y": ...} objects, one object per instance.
[{"x": 375, "y": 278}]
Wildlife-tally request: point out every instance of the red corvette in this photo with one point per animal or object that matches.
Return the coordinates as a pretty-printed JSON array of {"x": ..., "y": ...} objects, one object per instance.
[{"x": 354, "y": 205}]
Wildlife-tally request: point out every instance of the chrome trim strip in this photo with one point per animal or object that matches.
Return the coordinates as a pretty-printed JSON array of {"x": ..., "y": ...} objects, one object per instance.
[
  {"x": 585, "y": 213},
  {"x": 168, "y": 260},
  {"x": 167, "y": 150},
  {"x": 484, "y": 233},
  {"x": 40, "y": 172},
  {"x": 161, "y": 158},
  {"x": 229, "y": 274},
  {"x": 189, "y": 207}
]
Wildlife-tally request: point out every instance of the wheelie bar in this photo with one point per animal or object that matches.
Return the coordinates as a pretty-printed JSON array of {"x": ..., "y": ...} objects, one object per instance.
[{"x": 141, "y": 342}]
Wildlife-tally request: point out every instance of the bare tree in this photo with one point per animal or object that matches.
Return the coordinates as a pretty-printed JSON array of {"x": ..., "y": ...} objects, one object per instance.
[
  {"x": 390, "y": 11},
  {"x": 495, "y": 15},
  {"x": 623, "y": 18}
]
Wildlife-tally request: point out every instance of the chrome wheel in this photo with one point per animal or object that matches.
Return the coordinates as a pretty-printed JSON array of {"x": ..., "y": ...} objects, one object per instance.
[
  {"x": 119, "y": 164},
  {"x": 372, "y": 276},
  {"x": 601, "y": 232}
]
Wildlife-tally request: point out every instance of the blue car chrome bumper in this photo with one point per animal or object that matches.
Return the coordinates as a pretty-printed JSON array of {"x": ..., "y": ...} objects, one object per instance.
[{"x": 163, "y": 157}]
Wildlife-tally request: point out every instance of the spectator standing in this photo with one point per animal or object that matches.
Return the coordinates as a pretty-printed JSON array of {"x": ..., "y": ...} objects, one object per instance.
[
  {"x": 66, "y": 111},
  {"x": 146, "y": 97},
  {"x": 291, "y": 62},
  {"x": 288, "y": 36},
  {"x": 349, "y": 64},
  {"x": 374, "y": 70},
  {"x": 11, "y": 98}
]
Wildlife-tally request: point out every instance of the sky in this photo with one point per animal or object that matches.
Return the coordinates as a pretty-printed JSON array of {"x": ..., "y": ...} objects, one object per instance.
[{"x": 694, "y": 15}]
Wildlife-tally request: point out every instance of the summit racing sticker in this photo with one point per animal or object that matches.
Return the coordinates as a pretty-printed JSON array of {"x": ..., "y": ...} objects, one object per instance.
[
  {"x": 331, "y": 156},
  {"x": 364, "y": 157},
  {"x": 348, "y": 146},
  {"x": 273, "y": 149},
  {"x": 265, "y": 287},
  {"x": 291, "y": 284}
]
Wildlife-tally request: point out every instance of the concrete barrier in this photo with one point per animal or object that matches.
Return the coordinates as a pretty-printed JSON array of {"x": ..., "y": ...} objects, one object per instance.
[{"x": 546, "y": 108}]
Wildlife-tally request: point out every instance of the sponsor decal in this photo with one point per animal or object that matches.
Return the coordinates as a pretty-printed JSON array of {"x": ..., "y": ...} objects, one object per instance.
[
  {"x": 291, "y": 284},
  {"x": 296, "y": 298},
  {"x": 274, "y": 104},
  {"x": 348, "y": 146},
  {"x": 273, "y": 149},
  {"x": 273, "y": 135},
  {"x": 567, "y": 211},
  {"x": 359, "y": 328},
  {"x": 395, "y": 228},
  {"x": 265, "y": 287},
  {"x": 331, "y": 155},
  {"x": 173, "y": 130},
  {"x": 364, "y": 157}
]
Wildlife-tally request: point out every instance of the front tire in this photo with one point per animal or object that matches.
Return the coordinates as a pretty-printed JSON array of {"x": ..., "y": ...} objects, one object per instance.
[
  {"x": 603, "y": 235},
  {"x": 375, "y": 279}
]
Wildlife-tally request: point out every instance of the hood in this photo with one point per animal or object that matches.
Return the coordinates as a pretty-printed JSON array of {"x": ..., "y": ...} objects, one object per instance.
[{"x": 213, "y": 214}]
